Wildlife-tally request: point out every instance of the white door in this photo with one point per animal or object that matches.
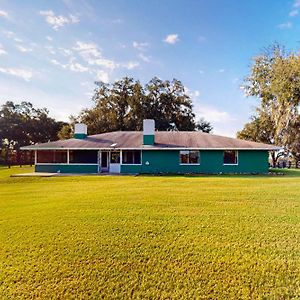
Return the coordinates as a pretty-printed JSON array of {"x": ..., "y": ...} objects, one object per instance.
[{"x": 115, "y": 162}]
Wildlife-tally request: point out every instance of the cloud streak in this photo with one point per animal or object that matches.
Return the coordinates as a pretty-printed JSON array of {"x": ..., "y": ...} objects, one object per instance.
[
  {"x": 171, "y": 39},
  {"x": 17, "y": 72},
  {"x": 2, "y": 51},
  {"x": 58, "y": 21},
  {"x": 3, "y": 14}
]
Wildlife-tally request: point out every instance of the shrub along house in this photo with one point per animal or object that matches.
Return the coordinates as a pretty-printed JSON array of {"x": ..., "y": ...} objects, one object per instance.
[{"x": 151, "y": 152}]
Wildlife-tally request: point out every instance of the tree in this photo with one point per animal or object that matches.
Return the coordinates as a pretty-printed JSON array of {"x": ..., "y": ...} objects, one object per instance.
[
  {"x": 275, "y": 80},
  {"x": 124, "y": 104},
  {"x": 22, "y": 124},
  {"x": 204, "y": 126}
]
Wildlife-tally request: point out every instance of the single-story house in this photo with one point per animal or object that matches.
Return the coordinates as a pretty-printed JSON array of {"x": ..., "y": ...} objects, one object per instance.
[{"x": 151, "y": 152}]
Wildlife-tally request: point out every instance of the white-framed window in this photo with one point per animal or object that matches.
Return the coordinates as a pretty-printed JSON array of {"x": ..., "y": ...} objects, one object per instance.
[
  {"x": 230, "y": 157},
  {"x": 131, "y": 157},
  {"x": 189, "y": 157}
]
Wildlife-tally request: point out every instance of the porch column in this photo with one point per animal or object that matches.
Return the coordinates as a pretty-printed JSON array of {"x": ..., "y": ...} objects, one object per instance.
[{"x": 68, "y": 156}]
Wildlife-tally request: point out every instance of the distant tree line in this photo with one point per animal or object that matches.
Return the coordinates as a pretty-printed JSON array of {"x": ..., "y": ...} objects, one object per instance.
[
  {"x": 22, "y": 124},
  {"x": 120, "y": 106},
  {"x": 275, "y": 80}
]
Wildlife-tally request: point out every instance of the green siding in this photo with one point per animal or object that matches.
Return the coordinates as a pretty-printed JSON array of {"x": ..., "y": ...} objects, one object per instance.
[
  {"x": 148, "y": 139},
  {"x": 211, "y": 161},
  {"x": 80, "y": 136},
  {"x": 52, "y": 168},
  {"x": 167, "y": 161}
]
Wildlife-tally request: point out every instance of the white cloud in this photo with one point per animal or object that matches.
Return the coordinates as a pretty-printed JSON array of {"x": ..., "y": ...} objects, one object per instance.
[
  {"x": 72, "y": 65},
  {"x": 102, "y": 76},
  {"x": 212, "y": 114},
  {"x": 144, "y": 57},
  {"x": 18, "y": 40},
  {"x": 293, "y": 13},
  {"x": 8, "y": 34},
  {"x": 140, "y": 46},
  {"x": 12, "y": 35},
  {"x": 21, "y": 73},
  {"x": 221, "y": 70},
  {"x": 91, "y": 53},
  {"x": 3, "y": 14},
  {"x": 296, "y": 3},
  {"x": 49, "y": 38},
  {"x": 23, "y": 49},
  {"x": 286, "y": 25},
  {"x": 171, "y": 38},
  {"x": 77, "y": 67},
  {"x": 50, "y": 49},
  {"x": 58, "y": 21},
  {"x": 65, "y": 52},
  {"x": 130, "y": 65},
  {"x": 192, "y": 94},
  {"x": 2, "y": 51}
]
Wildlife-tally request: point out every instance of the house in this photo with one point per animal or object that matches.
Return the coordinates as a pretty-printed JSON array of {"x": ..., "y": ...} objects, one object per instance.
[{"x": 150, "y": 152}]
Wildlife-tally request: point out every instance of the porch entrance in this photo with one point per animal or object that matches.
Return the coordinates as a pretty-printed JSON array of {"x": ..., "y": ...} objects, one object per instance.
[
  {"x": 110, "y": 162},
  {"x": 104, "y": 161},
  {"x": 115, "y": 162}
]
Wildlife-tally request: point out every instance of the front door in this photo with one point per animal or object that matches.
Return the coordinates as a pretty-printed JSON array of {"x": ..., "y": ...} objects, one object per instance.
[
  {"x": 115, "y": 162},
  {"x": 104, "y": 161}
]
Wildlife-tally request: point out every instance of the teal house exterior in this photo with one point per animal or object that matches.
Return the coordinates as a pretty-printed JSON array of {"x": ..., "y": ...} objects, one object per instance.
[{"x": 151, "y": 152}]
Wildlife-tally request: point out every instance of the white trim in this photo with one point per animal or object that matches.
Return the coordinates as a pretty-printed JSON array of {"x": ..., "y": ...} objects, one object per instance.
[
  {"x": 68, "y": 156},
  {"x": 190, "y": 164},
  {"x": 65, "y": 164},
  {"x": 132, "y": 164},
  {"x": 147, "y": 148},
  {"x": 237, "y": 158},
  {"x": 35, "y": 157}
]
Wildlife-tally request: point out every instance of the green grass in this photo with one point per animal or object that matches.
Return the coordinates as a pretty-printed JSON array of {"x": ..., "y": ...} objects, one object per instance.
[{"x": 149, "y": 237}]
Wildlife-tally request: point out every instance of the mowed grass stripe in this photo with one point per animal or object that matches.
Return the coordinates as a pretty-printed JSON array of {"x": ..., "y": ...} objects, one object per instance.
[{"x": 149, "y": 237}]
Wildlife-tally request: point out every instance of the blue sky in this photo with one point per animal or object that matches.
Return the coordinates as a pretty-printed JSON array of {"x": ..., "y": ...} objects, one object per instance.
[{"x": 51, "y": 52}]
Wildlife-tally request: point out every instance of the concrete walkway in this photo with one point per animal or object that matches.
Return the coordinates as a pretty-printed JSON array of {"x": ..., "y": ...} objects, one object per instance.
[{"x": 44, "y": 174}]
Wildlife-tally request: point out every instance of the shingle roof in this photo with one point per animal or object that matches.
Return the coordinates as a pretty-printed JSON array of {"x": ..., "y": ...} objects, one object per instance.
[{"x": 163, "y": 140}]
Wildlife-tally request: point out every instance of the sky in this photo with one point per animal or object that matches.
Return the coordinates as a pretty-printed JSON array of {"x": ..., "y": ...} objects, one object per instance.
[{"x": 52, "y": 52}]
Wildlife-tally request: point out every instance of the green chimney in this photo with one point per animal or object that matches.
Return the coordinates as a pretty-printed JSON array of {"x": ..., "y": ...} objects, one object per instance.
[
  {"x": 80, "y": 131},
  {"x": 148, "y": 132}
]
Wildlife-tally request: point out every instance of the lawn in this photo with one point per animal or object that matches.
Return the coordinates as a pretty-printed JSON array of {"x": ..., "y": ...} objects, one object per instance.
[{"x": 214, "y": 237}]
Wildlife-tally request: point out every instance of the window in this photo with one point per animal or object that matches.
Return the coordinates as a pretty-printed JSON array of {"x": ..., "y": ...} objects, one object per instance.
[
  {"x": 83, "y": 156},
  {"x": 189, "y": 157},
  {"x": 52, "y": 156},
  {"x": 132, "y": 157},
  {"x": 230, "y": 157},
  {"x": 115, "y": 157}
]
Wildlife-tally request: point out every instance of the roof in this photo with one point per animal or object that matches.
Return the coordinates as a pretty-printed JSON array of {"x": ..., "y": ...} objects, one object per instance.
[{"x": 166, "y": 140}]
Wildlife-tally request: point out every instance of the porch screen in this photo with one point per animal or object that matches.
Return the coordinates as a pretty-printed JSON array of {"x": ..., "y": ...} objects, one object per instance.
[
  {"x": 52, "y": 156},
  {"x": 131, "y": 157},
  {"x": 83, "y": 156}
]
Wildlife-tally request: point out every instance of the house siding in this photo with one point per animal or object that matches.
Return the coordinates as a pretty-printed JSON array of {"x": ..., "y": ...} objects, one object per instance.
[
  {"x": 167, "y": 161},
  {"x": 55, "y": 168},
  {"x": 211, "y": 161}
]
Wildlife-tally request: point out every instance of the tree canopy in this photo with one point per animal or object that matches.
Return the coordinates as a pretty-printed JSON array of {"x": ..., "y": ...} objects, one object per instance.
[
  {"x": 23, "y": 124},
  {"x": 275, "y": 80},
  {"x": 124, "y": 104}
]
